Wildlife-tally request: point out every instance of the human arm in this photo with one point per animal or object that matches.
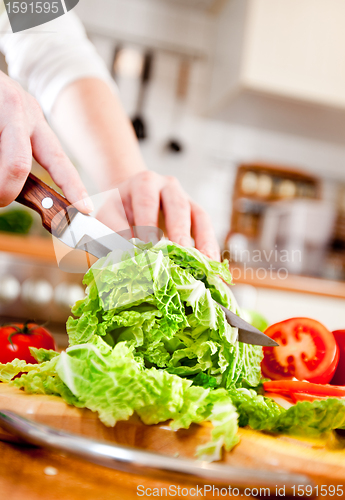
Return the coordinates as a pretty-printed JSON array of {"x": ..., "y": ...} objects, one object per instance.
[
  {"x": 90, "y": 119},
  {"x": 24, "y": 133},
  {"x": 77, "y": 94}
]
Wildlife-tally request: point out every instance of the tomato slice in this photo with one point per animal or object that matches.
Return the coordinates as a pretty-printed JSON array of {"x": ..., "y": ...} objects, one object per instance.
[
  {"x": 290, "y": 387},
  {"x": 298, "y": 396},
  {"x": 307, "y": 351},
  {"x": 339, "y": 375}
]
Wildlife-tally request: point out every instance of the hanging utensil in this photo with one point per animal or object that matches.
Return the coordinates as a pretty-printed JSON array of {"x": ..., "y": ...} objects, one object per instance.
[
  {"x": 175, "y": 144},
  {"x": 138, "y": 121}
]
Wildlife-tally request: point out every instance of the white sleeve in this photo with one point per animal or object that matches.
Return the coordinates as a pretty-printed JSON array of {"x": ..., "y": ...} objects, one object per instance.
[{"x": 47, "y": 58}]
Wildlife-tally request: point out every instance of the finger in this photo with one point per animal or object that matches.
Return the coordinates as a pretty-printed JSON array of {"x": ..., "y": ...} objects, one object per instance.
[
  {"x": 177, "y": 213},
  {"x": 15, "y": 161},
  {"x": 48, "y": 152},
  {"x": 203, "y": 232},
  {"x": 145, "y": 195},
  {"x": 112, "y": 213},
  {"x": 126, "y": 199}
]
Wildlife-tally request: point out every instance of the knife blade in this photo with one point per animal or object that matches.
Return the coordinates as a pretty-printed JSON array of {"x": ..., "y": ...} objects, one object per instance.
[
  {"x": 247, "y": 333},
  {"x": 89, "y": 234},
  {"x": 83, "y": 232}
]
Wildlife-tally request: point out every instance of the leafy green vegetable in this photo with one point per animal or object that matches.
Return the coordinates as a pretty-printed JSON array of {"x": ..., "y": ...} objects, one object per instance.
[
  {"x": 149, "y": 338},
  {"x": 254, "y": 410},
  {"x": 41, "y": 354},
  {"x": 312, "y": 419},
  {"x": 155, "y": 303},
  {"x": 10, "y": 370},
  {"x": 16, "y": 221},
  {"x": 112, "y": 382},
  {"x": 205, "y": 381},
  {"x": 305, "y": 418}
]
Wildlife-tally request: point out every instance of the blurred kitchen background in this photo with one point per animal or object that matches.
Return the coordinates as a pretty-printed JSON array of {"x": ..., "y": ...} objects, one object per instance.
[{"x": 244, "y": 102}]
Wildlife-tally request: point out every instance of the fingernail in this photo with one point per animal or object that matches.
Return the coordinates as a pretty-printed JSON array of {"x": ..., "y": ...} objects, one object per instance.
[
  {"x": 212, "y": 254},
  {"x": 185, "y": 242},
  {"x": 88, "y": 204}
]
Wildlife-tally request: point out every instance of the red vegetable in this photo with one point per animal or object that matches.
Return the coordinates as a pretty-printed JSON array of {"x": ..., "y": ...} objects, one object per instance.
[
  {"x": 307, "y": 351},
  {"x": 15, "y": 341},
  {"x": 291, "y": 387},
  {"x": 298, "y": 396},
  {"x": 339, "y": 376}
]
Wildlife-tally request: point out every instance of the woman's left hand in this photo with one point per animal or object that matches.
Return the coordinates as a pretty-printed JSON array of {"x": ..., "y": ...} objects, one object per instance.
[{"x": 144, "y": 195}]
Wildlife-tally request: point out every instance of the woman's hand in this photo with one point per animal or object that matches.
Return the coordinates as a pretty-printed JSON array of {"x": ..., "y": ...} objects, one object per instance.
[
  {"x": 144, "y": 195},
  {"x": 24, "y": 133},
  {"x": 93, "y": 124}
]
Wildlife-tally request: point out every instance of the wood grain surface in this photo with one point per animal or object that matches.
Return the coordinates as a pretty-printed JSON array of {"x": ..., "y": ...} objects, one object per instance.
[
  {"x": 23, "y": 477},
  {"x": 54, "y": 219},
  {"x": 22, "y": 468}
]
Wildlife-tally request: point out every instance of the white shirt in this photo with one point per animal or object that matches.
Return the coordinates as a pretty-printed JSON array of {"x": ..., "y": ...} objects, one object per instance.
[{"x": 47, "y": 58}]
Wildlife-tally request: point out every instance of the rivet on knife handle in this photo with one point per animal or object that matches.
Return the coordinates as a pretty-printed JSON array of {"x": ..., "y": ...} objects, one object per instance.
[{"x": 55, "y": 211}]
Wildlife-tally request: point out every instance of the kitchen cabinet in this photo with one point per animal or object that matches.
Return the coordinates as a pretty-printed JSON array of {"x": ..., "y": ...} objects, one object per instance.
[
  {"x": 258, "y": 186},
  {"x": 280, "y": 59}
]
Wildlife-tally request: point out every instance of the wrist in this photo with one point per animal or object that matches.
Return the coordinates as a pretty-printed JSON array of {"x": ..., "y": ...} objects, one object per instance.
[{"x": 115, "y": 172}]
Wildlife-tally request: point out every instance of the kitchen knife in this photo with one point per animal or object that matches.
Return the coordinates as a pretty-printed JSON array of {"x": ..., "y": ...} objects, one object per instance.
[
  {"x": 69, "y": 225},
  {"x": 247, "y": 333},
  {"x": 83, "y": 232}
]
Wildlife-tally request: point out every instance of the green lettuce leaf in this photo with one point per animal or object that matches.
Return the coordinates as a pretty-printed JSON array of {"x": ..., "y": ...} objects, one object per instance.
[
  {"x": 194, "y": 261},
  {"x": 312, "y": 419},
  {"x": 225, "y": 423},
  {"x": 155, "y": 303},
  {"x": 42, "y": 355},
  {"x": 256, "y": 411},
  {"x": 304, "y": 419},
  {"x": 150, "y": 338},
  {"x": 115, "y": 384},
  {"x": 9, "y": 370}
]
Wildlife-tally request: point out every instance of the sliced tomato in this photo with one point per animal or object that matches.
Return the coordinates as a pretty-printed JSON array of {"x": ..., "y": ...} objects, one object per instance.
[
  {"x": 339, "y": 375},
  {"x": 299, "y": 396},
  {"x": 290, "y": 387},
  {"x": 307, "y": 351}
]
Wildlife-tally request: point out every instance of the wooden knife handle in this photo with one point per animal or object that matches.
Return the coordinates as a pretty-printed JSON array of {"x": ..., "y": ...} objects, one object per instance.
[{"x": 55, "y": 211}]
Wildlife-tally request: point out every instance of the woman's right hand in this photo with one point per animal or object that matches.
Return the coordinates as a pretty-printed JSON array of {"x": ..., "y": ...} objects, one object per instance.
[{"x": 24, "y": 133}]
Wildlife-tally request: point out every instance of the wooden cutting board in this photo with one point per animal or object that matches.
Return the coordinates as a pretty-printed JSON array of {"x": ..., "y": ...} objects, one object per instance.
[{"x": 323, "y": 460}]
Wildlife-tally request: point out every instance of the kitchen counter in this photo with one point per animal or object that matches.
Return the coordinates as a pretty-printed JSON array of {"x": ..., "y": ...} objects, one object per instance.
[
  {"x": 277, "y": 298},
  {"x": 292, "y": 283},
  {"x": 30, "y": 473},
  {"x": 42, "y": 249},
  {"x": 34, "y": 247},
  {"x": 23, "y": 476}
]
